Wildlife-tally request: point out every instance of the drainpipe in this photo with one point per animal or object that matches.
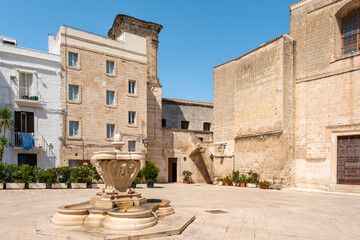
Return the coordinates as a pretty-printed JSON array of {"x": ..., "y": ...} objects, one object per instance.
[{"x": 65, "y": 97}]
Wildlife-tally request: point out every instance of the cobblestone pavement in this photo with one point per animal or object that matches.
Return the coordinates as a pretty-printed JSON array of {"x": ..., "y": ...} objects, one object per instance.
[{"x": 245, "y": 213}]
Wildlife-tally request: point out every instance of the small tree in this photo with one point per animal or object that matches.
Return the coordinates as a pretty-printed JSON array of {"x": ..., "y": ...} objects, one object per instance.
[
  {"x": 5, "y": 123},
  {"x": 150, "y": 172}
]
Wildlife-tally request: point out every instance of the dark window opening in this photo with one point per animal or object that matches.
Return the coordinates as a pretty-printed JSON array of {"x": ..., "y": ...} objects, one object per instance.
[
  {"x": 163, "y": 122},
  {"x": 29, "y": 159},
  {"x": 206, "y": 127},
  {"x": 185, "y": 124}
]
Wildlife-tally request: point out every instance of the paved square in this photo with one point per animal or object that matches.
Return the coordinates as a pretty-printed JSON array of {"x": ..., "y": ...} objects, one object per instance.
[{"x": 221, "y": 212}]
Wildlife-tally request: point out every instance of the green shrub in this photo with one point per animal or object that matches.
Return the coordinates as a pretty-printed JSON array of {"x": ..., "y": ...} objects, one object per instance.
[
  {"x": 186, "y": 175},
  {"x": 22, "y": 174},
  {"x": 50, "y": 176},
  {"x": 96, "y": 174},
  {"x": 2, "y": 171},
  {"x": 81, "y": 174},
  {"x": 150, "y": 172},
  {"x": 235, "y": 176},
  {"x": 9, "y": 171},
  {"x": 63, "y": 174},
  {"x": 38, "y": 174}
]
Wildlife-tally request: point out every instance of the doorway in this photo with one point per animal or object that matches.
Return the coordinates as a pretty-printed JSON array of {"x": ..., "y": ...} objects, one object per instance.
[
  {"x": 29, "y": 159},
  {"x": 348, "y": 160},
  {"x": 172, "y": 170}
]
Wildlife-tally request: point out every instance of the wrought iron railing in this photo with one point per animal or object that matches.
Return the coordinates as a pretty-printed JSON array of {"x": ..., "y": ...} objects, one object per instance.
[{"x": 16, "y": 139}]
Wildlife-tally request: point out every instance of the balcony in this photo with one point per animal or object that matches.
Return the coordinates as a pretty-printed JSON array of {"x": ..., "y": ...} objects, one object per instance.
[
  {"x": 16, "y": 141},
  {"x": 27, "y": 96}
]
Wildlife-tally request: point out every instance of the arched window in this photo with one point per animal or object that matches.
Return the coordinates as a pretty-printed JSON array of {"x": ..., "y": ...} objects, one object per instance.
[{"x": 350, "y": 33}]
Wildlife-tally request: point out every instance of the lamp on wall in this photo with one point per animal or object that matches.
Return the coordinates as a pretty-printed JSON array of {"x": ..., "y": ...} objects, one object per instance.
[
  {"x": 12, "y": 77},
  {"x": 145, "y": 142},
  {"x": 221, "y": 147}
]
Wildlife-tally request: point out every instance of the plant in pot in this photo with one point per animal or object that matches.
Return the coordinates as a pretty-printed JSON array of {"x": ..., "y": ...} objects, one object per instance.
[
  {"x": 136, "y": 180},
  {"x": 227, "y": 181},
  {"x": 186, "y": 176},
  {"x": 242, "y": 180},
  {"x": 264, "y": 184},
  {"x": 150, "y": 173},
  {"x": 38, "y": 178},
  {"x": 220, "y": 181},
  {"x": 97, "y": 181},
  {"x": 2, "y": 176},
  {"x": 235, "y": 178},
  {"x": 19, "y": 177},
  {"x": 252, "y": 179},
  {"x": 80, "y": 177}
]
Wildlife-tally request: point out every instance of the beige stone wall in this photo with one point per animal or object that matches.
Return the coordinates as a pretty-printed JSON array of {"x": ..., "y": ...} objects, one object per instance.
[
  {"x": 91, "y": 110},
  {"x": 191, "y": 154},
  {"x": 262, "y": 125},
  {"x": 327, "y": 90}
]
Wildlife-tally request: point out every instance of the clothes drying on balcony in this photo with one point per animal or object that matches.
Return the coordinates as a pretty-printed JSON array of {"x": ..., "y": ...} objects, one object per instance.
[{"x": 27, "y": 141}]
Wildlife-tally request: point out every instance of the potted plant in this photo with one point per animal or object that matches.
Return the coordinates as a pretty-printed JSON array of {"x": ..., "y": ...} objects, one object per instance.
[
  {"x": 235, "y": 178},
  {"x": 97, "y": 181},
  {"x": 150, "y": 173},
  {"x": 220, "y": 181},
  {"x": 186, "y": 176},
  {"x": 38, "y": 178},
  {"x": 80, "y": 177},
  {"x": 252, "y": 179},
  {"x": 264, "y": 184},
  {"x": 137, "y": 180},
  {"x": 242, "y": 180},
  {"x": 227, "y": 181},
  {"x": 61, "y": 176},
  {"x": 19, "y": 177},
  {"x": 2, "y": 176}
]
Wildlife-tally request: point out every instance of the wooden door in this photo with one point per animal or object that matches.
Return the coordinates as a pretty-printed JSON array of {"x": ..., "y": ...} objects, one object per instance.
[
  {"x": 348, "y": 160},
  {"x": 172, "y": 170}
]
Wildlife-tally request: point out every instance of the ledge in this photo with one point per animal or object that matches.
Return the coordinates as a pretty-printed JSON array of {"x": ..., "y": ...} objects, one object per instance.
[{"x": 260, "y": 135}]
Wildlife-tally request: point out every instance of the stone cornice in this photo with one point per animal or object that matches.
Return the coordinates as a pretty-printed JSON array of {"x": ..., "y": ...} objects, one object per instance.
[{"x": 133, "y": 25}]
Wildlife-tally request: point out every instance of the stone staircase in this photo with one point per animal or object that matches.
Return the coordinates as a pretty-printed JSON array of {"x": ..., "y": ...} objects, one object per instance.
[{"x": 344, "y": 188}]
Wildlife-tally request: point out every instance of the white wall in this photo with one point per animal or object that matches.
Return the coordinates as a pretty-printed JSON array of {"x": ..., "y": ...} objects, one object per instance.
[{"x": 47, "y": 113}]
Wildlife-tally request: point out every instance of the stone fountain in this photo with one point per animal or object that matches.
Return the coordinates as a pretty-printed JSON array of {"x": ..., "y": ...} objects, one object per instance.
[{"x": 117, "y": 207}]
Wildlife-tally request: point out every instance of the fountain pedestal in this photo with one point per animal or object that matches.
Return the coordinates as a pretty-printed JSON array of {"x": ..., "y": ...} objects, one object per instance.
[{"x": 117, "y": 207}]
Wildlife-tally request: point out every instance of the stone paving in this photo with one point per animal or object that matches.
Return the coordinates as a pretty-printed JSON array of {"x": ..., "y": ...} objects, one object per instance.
[{"x": 244, "y": 213}]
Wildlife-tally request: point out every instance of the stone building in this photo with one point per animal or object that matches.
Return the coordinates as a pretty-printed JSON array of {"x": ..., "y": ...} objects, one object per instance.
[
  {"x": 30, "y": 87},
  {"x": 187, "y": 139},
  {"x": 289, "y": 109},
  {"x": 109, "y": 86}
]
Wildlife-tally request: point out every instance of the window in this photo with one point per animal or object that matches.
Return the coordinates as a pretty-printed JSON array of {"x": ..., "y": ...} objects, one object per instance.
[
  {"x": 131, "y": 146},
  {"x": 163, "y": 122},
  {"x": 73, "y": 129},
  {"x": 73, "y": 92},
  {"x": 131, "y": 117},
  {"x": 132, "y": 85},
  {"x": 185, "y": 124},
  {"x": 73, "y": 59},
  {"x": 206, "y": 126},
  {"x": 74, "y": 163},
  {"x": 26, "y": 86},
  {"x": 109, "y": 67},
  {"x": 110, "y": 97},
  {"x": 350, "y": 33},
  {"x": 110, "y": 130}
]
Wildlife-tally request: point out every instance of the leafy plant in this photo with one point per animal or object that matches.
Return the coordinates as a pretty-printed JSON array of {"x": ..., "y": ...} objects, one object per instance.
[
  {"x": 5, "y": 123},
  {"x": 96, "y": 174},
  {"x": 227, "y": 179},
  {"x": 50, "y": 176},
  {"x": 264, "y": 183},
  {"x": 63, "y": 174},
  {"x": 2, "y": 171},
  {"x": 252, "y": 177},
  {"x": 150, "y": 172},
  {"x": 186, "y": 175},
  {"x": 38, "y": 174},
  {"x": 242, "y": 179},
  {"x": 235, "y": 175},
  {"x": 137, "y": 180},
  {"x": 9, "y": 171},
  {"x": 81, "y": 174},
  {"x": 219, "y": 180}
]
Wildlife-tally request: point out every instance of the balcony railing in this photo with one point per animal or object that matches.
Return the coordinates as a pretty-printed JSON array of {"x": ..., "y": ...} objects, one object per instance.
[{"x": 16, "y": 140}]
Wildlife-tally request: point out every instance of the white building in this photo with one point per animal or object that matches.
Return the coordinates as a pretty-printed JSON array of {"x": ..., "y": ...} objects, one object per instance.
[{"x": 30, "y": 85}]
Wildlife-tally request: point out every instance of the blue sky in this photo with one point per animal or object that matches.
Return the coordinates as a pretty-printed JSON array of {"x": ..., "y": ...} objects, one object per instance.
[{"x": 197, "y": 34}]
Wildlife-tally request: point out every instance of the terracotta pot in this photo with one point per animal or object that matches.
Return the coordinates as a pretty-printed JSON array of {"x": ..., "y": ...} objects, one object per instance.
[
  {"x": 242, "y": 184},
  {"x": 186, "y": 181},
  {"x": 263, "y": 187},
  {"x": 228, "y": 183}
]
